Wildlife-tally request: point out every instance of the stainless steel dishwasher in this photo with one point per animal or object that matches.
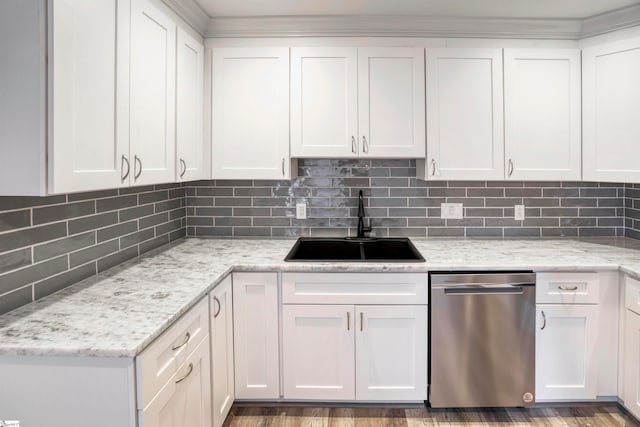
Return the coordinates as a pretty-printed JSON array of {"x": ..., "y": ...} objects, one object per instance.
[{"x": 482, "y": 346}]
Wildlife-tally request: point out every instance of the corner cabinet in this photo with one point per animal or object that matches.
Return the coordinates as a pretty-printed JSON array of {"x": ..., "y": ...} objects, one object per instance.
[
  {"x": 357, "y": 102},
  {"x": 542, "y": 121},
  {"x": 465, "y": 136},
  {"x": 335, "y": 346},
  {"x": 250, "y": 113},
  {"x": 611, "y": 117},
  {"x": 89, "y": 96}
]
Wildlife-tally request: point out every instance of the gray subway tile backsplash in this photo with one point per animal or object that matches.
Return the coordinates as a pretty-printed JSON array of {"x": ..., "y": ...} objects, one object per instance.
[
  {"x": 49, "y": 243},
  {"x": 398, "y": 204}
]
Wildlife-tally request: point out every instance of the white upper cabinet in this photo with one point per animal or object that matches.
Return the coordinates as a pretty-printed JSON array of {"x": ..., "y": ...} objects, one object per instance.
[
  {"x": 250, "y": 113},
  {"x": 324, "y": 96},
  {"x": 542, "y": 114},
  {"x": 464, "y": 114},
  {"x": 153, "y": 91},
  {"x": 391, "y": 102},
  {"x": 350, "y": 102},
  {"x": 89, "y": 94},
  {"x": 611, "y": 111},
  {"x": 189, "y": 107}
]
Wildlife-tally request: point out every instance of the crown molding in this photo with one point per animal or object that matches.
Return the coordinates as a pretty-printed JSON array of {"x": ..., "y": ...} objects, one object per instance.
[
  {"x": 191, "y": 13},
  {"x": 611, "y": 21},
  {"x": 393, "y": 26}
]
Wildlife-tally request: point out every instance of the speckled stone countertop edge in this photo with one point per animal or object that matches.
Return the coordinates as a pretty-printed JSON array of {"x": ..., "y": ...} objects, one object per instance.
[{"x": 26, "y": 341}]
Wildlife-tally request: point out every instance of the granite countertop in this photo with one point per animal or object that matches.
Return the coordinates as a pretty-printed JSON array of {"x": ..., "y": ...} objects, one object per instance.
[{"x": 120, "y": 312}]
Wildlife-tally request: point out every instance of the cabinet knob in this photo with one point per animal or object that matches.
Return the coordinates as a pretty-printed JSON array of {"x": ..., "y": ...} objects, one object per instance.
[
  {"x": 178, "y": 381},
  {"x": 510, "y": 168},
  {"x": 217, "y": 311},
  {"x": 365, "y": 145},
  {"x": 354, "y": 147},
  {"x": 433, "y": 167},
  {"x": 544, "y": 320}
]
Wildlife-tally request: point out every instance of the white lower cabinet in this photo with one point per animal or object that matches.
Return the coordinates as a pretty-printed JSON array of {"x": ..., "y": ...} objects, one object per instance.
[
  {"x": 391, "y": 353},
  {"x": 565, "y": 345},
  {"x": 339, "y": 342},
  {"x": 222, "y": 388},
  {"x": 186, "y": 399},
  {"x": 256, "y": 340},
  {"x": 318, "y": 352},
  {"x": 631, "y": 386},
  {"x": 630, "y": 348},
  {"x": 346, "y": 352}
]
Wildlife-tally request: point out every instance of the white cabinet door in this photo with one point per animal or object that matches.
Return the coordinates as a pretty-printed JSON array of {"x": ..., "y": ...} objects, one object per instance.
[
  {"x": 222, "y": 351},
  {"x": 256, "y": 344},
  {"x": 391, "y": 353},
  {"x": 153, "y": 86},
  {"x": 186, "y": 399},
  {"x": 542, "y": 114},
  {"x": 565, "y": 345},
  {"x": 189, "y": 107},
  {"x": 318, "y": 352},
  {"x": 611, "y": 112},
  {"x": 324, "y": 96},
  {"x": 250, "y": 113},
  {"x": 89, "y": 99},
  {"x": 631, "y": 374},
  {"x": 464, "y": 114},
  {"x": 391, "y": 102}
]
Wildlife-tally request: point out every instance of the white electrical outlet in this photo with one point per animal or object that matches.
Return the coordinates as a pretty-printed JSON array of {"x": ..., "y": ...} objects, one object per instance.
[
  {"x": 519, "y": 213},
  {"x": 451, "y": 210},
  {"x": 301, "y": 210}
]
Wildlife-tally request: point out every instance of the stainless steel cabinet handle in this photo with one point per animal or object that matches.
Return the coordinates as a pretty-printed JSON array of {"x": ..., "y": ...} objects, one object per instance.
[
  {"x": 510, "y": 167},
  {"x": 283, "y": 166},
  {"x": 544, "y": 321},
  {"x": 184, "y": 168},
  {"x": 216, "y": 312},
  {"x": 433, "y": 167},
  {"x": 187, "y": 337},
  {"x": 186, "y": 375},
  {"x": 348, "y": 321},
  {"x": 136, "y": 161},
  {"x": 365, "y": 145},
  {"x": 361, "y": 321},
  {"x": 125, "y": 160},
  {"x": 354, "y": 148},
  {"x": 563, "y": 288}
]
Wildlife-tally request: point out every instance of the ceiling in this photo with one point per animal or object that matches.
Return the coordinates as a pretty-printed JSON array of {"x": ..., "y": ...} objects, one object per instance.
[{"x": 544, "y": 9}]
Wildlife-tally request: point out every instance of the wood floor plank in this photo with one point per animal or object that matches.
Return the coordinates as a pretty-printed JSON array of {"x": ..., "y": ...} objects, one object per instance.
[{"x": 606, "y": 415}]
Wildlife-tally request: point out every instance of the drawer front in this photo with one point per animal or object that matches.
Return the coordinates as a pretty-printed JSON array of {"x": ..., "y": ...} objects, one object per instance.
[
  {"x": 567, "y": 288},
  {"x": 160, "y": 361},
  {"x": 355, "y": 288},
  {"x": 632, "y": 294}
]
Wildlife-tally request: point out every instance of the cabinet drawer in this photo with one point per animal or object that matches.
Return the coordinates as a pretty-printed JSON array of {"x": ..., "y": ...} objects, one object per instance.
[
  {"x": 186, "y": 398},
  {"x": 567, "y": 288},
  {"x": 355, "y": 288},
  {"x": 632, "y": 294},
  {"x": 160, "y": 361}
]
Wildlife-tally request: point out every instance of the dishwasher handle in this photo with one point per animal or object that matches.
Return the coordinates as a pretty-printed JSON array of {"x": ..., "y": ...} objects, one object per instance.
[{"x": 484, "y": 290}]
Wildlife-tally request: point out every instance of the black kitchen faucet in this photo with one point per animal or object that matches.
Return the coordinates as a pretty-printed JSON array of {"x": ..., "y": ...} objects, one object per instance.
[{"x": 361, "y": 228}]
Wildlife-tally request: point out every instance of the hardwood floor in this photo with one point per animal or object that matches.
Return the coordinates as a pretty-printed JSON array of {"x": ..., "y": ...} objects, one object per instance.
[{"x": 605, "y": 415}]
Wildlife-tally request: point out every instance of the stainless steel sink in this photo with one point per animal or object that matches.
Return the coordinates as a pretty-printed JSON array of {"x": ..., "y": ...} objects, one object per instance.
[{"x": 354, "y": 250}]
